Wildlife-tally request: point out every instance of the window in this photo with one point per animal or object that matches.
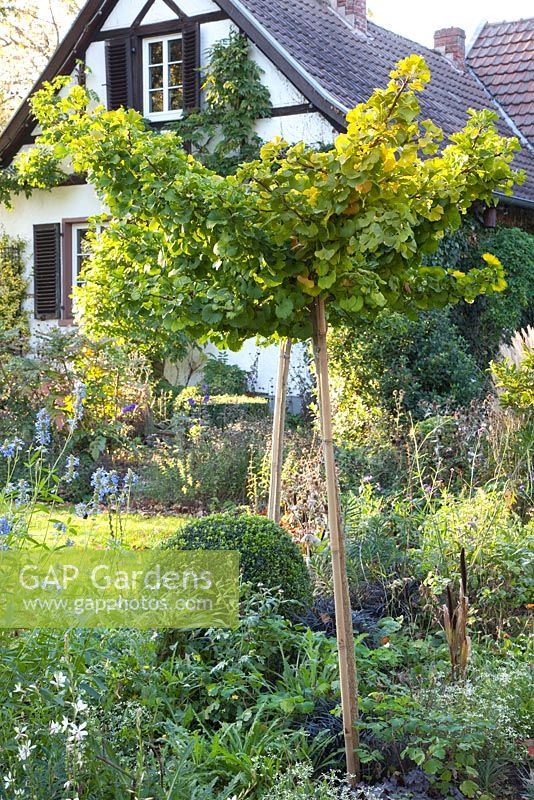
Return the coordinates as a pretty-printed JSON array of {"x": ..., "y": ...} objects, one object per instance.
[
  {"x": 163, "y": 96},
  {"x": 79, "y": 251},
  {"x": 75, "y": 253}
]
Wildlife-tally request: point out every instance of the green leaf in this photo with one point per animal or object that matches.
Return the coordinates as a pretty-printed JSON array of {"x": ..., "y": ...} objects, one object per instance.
[
  {"x": 469, "y": 788},
  {"x": 432, "y": 766}
]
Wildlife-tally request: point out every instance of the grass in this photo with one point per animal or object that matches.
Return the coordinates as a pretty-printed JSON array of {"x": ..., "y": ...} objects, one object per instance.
[{"x": 139, "y": 530}]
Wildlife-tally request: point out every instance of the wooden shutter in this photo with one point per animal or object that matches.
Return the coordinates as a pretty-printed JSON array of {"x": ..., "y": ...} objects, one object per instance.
[
  {"x": 191, "y": 66},
  {"x": 46, "y": 270},
  {"x": 119, "y": 73}
]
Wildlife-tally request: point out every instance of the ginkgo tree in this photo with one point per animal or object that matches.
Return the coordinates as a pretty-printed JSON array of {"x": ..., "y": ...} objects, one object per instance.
[{"x": 296, "y": 240}]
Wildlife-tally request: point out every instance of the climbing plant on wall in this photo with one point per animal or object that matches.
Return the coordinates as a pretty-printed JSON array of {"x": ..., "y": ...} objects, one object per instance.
[{"x": 222, "y": 133}]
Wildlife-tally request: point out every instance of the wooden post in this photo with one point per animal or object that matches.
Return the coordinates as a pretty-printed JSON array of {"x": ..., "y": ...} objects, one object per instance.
[
  {"x": 345, "y": 636},
  {"x": 279, "y": 418}
]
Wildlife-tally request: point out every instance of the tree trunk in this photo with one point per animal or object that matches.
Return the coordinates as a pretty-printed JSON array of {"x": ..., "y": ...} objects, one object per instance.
[
  {"x": 279, "y": 418},
  {"x": 344, "y": 632}
]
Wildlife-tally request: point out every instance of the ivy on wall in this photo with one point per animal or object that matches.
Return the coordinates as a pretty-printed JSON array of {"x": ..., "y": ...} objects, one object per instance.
[
  {"x": 222, "y": 133},
  {"x": 13, "y": 288}
]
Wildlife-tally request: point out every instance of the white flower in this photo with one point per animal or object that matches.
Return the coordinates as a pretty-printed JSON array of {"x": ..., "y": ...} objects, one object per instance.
[
  {"x": 79, "y": 706},
  {"x": 77, "y": 733},
  {"x": 20, "y": 733},
  {"x": 65, "y": 722},
  {"x": 9, "y": 780},
  {"x": 59, "y": 680},
  {"x": 25, "y": 750},
  {"x": 18, "y": 689},
  {"x": 55, "y": 727}
]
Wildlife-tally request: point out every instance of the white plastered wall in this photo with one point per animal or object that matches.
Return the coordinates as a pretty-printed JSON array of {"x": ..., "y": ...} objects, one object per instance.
[{"x": 81, "y": 202}]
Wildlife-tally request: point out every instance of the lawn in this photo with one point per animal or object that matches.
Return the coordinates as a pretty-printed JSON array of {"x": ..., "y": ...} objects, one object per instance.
[{"x": 139, "y": 530}]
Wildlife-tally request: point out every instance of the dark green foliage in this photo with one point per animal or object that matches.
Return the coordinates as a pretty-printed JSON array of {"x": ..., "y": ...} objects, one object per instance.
[
  {"x": 223, "y": 378},
  {"x": 269, "y": 557},
  {"x": 494, "y": 318},
  {"x": 406, "y": 363},
  {"x": 396, "y": 364}
]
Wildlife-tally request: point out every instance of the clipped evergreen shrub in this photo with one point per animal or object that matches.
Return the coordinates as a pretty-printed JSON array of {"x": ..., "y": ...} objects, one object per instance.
[{"x": 269, "y": 557}]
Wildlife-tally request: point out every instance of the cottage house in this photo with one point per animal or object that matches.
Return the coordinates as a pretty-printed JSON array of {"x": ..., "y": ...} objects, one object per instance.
[{"x": 319, "y": 59}]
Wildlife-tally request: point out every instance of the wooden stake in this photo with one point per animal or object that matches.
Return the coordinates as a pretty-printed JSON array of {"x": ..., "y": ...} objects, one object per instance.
[
  {"x": 279, "y": 418},
  {"x": 345, "y": 636}
]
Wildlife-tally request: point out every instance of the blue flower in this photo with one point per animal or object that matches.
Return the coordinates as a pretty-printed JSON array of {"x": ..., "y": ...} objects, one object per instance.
[
  {"x": 70, "y": 469},
  {"x": 23, "y": 493},
  {"x": 69, "y": 543},
  {"x": 105, "y": 484},
  {"x": 60, "y": 526},
  {"x": 42, "y": 429},
  {"x": 128, "y": 408},
  {"x": 130, "y": 480},
  {"x": 20, "y": 490},
  {"x": 8, "y": 449},
  {"x": 206, "y": 398},
  {"x": 5, "y": 526},
  {"x": 79, "y": 395},
  {"x": 191, "y": 401}
]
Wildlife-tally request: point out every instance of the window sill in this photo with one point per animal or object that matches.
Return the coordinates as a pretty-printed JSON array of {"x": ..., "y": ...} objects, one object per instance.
[{"x": 162, "y": 118}]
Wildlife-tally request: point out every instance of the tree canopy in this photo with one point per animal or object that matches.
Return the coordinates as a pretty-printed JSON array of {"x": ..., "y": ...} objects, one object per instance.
[{"x": 189, "y": 252}]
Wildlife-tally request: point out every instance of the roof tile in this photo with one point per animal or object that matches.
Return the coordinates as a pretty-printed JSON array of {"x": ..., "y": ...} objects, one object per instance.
[
  {"x": 350, "y": 66},
  {"x": 503, "y": 56}
]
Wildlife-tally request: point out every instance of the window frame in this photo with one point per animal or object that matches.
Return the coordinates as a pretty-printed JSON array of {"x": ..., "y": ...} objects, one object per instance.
[
  {"x": 69, "y": 263},
  {"x": 166, "y": 114}
]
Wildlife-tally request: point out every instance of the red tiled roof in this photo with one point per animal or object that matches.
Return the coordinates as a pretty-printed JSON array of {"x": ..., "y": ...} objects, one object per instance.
[{"x": 503, "y": 58}]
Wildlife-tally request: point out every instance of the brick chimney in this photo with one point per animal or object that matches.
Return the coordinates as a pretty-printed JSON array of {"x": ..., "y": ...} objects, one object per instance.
[
  {"x": 451, "y": 42},
  {"x": 354, "y": 11}
]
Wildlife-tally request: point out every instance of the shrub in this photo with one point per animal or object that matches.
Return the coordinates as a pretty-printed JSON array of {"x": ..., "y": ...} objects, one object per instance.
[
  {"x": 116, "y": 391},
  {"x": 223, "y": 378},
  {"x": 269, "y": 557},
  {"x": 492, "y": 318},
  {"x": 514, "y": 376},
  {"x": 403, "y": 363}
]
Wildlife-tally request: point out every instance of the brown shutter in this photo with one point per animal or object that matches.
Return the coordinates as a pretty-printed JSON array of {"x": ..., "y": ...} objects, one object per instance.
[
  {"x": 191, "y": 66},
  {"x": 119, "y": 73},
  {"x": 46, "y": 270}
]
